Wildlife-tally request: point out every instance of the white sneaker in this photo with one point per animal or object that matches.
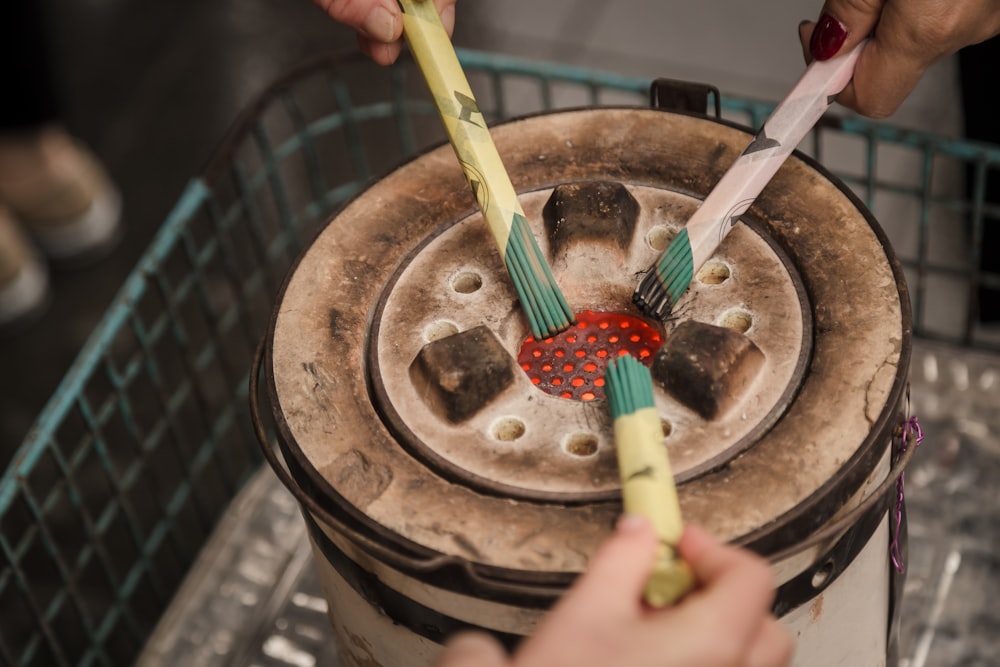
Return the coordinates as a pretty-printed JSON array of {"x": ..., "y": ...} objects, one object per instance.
[
  {"x": 24, "y": 280},
  {"x": 61, "y": 194}
]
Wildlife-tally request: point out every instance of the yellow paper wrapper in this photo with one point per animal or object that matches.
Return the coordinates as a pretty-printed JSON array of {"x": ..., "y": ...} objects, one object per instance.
[
  {"x": 648, "y": 490},
  {"x": 466, "y": 127}
]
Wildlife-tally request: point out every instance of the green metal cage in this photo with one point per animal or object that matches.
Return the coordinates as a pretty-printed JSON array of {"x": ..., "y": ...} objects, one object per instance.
[{"x": 121, "y": 480}]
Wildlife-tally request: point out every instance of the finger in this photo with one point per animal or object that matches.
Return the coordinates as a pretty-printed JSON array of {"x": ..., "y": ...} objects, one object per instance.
[
  {"x": 446, "y": 8},
  {"x": 883, "y": 77},
  {"x": 725, "y": 615},
  {"x": 695, "y": 541},
  {"x": 773, "y": 646},
  {"x": 842, "y": 25},
  {"x": 904, "y": 45},
  {"x": 727, "y": 573},
  {"x": 472, "y": 649},
  {"x": 383, "y": 54},
  {"x": 618, "y": 572},
  {"x": 378, "y": 20},
  {"x": 885, "y": 81}
]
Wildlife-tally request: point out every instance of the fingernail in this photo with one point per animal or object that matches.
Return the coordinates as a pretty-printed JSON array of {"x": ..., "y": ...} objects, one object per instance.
[
  {"x": 631, "y": 523},
  {"x": 803, "y": 23},
  {"x": 827, "y": 38},
  {"x": 380, "y": 25}
]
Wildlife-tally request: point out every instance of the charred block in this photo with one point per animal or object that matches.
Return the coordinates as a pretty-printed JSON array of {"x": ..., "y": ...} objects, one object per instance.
[
  {"x": 461, "y": 374},
  {"x": 590, "y": 211},
  {"x": 707, "y": 368}
]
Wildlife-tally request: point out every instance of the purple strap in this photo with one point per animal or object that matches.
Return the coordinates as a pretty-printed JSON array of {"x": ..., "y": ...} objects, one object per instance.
[{"x": 911, "y": 428}]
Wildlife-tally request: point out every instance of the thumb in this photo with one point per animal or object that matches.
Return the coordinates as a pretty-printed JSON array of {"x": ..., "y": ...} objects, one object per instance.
[
  {"x": 841, "y": 26},
  {"x": 618, "y": 571}
]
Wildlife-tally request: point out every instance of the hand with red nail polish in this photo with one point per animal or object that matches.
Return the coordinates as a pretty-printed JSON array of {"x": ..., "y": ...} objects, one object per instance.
[
  {"x": 907, "y": 37},
  {"x": 602, "y": 621},
  {"x": 379, "y": 24}
]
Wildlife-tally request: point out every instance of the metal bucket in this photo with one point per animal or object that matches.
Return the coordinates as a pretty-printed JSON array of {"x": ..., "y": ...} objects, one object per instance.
[{"x": 432, "y": 510}]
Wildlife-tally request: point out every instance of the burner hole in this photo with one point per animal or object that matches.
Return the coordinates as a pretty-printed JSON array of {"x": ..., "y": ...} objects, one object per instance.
[
  {"x": 659, "y": 238},
  {"x": 667, "y": 427},
  {"x": 508, "y": 429},
  {"x": 467, "y": 282},
  {"x": 581, "y": 444},
  {"x": 440, "y": 329},
  {"x": 714, "y": 272},
  {"x": 737, "y": 319}
]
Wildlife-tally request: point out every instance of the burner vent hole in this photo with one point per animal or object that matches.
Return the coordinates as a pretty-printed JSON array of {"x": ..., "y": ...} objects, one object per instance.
[
  {"x": 467, "y": 282},
  {"x": 737, "y": 320},
  {"x": 714, "y": 272},
  {"x": 440, "y": 329},
  {"x": 581, "y": 444},
  {"x": 508, "y": 429},
  {"x": 659, "y": 238}
]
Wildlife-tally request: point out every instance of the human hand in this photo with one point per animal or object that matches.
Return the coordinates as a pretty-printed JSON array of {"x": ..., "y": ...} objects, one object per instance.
[
  {"x": 602, "y": 621},
  {"x": 907, "y": 37},
  {"x": 379, "y": 24}
]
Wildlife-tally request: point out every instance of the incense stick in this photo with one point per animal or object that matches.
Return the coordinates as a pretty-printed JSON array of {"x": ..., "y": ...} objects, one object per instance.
[
  {"x": 543, "y": 302},
  {"x": 665, "y": 282},
  {"x": 647, "y": 482}
]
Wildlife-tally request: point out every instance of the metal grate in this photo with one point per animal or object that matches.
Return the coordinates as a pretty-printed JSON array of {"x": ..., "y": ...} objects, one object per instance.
[{"x": 121, "y": 480}]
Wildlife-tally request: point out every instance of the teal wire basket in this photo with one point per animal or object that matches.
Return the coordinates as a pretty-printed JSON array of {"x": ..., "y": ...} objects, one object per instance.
[{"x": 120, "y": 482}]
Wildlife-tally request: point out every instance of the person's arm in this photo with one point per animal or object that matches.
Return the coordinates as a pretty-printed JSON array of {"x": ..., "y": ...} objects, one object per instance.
[
  {"x": 907, "y": 37},
  {"x": 602, "y": 620},
  {"x": 379, "y": 24}
]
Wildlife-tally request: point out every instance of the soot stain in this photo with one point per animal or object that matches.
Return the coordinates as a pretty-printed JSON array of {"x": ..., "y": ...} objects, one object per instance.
[
  {"x": 360, "y": 479},
  {"x": 335, "y": 322}
]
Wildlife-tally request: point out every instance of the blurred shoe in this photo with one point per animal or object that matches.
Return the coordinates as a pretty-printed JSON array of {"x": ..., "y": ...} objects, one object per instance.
[
  {"x": 24, "y": 281},
  {"x": 61, "y": 194}
]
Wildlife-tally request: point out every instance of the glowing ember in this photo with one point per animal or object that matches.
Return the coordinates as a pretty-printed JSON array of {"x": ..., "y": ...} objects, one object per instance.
[{"x": 571, "y": 364}]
